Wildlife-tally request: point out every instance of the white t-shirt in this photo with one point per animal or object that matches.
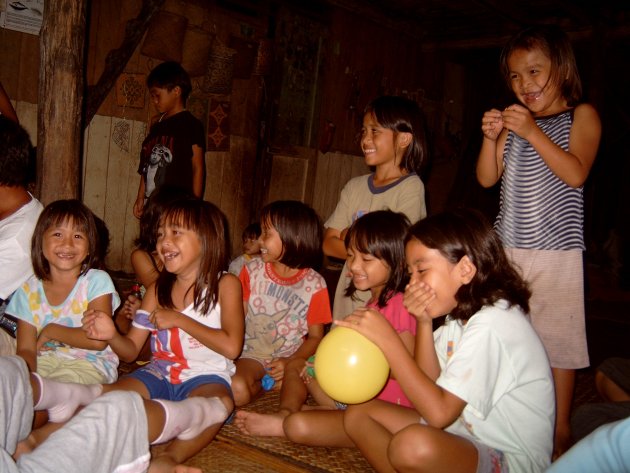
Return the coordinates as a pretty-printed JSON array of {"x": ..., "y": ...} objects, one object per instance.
[
  {"x": 497, "y": 364},
  {"x": 15, "y": 246}
]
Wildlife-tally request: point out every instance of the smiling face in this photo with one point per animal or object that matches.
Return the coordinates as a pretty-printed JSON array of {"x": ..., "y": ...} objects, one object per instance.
[
  {"x": 531, "y": 80},
  {"x": 65, "y": 247},
  {"x": 271, "y": 247},
  {"x": 429, "y": 266},
  {"x": 378, "y": 143},
  {"x": 179, "y": 249},
  {"x": 368, "y": 272}
]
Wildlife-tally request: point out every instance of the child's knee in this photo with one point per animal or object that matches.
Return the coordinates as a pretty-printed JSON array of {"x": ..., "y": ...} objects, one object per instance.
[
  {"x": 296, "y": 428},
  {"x": 240, "y": 391},
  {"x": 410, "y": 447}
]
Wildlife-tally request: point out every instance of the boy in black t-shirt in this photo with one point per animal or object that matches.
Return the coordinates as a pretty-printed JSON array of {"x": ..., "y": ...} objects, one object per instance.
[{"x": 173, "y": 151}]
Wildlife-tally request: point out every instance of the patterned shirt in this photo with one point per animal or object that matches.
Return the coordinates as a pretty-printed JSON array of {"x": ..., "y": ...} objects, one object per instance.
[
  {"x": 178, "y": 356},
  {"x": 29, "y": 303},
  {"x": 280, "y": 310},
  {"x": 538, "y": 209}
]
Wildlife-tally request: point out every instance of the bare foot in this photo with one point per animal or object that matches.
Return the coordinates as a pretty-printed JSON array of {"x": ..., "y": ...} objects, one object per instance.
[
  {"x": 165, "y": 464},
  {"x": 253, "y": 423}
]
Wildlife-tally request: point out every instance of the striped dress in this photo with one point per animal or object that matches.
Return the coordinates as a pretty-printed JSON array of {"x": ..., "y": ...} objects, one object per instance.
[{"x": 538, "y": 210}]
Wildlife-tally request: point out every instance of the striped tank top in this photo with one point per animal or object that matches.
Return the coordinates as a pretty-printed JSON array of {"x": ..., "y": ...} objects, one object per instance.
[{"x": 538, "y": 210}]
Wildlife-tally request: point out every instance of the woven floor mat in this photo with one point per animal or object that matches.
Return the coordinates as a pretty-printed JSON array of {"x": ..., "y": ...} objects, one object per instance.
[{"x": 232, "y": 451}]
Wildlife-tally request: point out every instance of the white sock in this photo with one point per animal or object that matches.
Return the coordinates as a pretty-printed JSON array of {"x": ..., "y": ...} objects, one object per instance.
[
  {"x": 61, "y": 400},
  {"x": 188, "y": 418}
]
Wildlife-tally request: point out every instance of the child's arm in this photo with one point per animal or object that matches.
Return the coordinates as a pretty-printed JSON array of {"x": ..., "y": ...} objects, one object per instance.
[
  {"x": 417, "y": 298},
  {"x": 197, "y": 171},
  {"x": 308, "y": 347},
  {"x": 143, "y": 267},
  {"x": 98, "y": 326},
  {"x": 227, "y": 340},
  {"x": 490, "y": 161},
  {"x": 138, "y": 206},
  {"x": 438, "y": 407},
  {"x": 26, "y": 342},
  {"x": 334, "y": 244},
  {"x": 572, "y": 166},
  {"x": 75, "y": 336}
]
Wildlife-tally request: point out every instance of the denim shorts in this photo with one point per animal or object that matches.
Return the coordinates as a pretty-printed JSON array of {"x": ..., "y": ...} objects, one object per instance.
[{"x": 160, "y": 388}]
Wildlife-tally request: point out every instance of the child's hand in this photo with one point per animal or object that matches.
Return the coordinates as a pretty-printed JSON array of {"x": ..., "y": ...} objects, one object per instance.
[
  {"x": 492, "y": 124},
  {"x": 138, "y": 207},
  {"x": 163, "y": 319},
  {"x": 307, "y": 373},
  {"x": 275, "y": 368},
  {"x": 43, "y": 339},
  {"x": 417, "y": 297},
  {"x": 519, "y": 120},
  {"x": 97, "y": 325},
  {"x": 131, "y": 305},
  {"x": 371, "y": 324}
]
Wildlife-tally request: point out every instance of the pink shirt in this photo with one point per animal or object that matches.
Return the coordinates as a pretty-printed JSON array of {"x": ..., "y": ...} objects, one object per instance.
[{"x": 402, "y": 321}]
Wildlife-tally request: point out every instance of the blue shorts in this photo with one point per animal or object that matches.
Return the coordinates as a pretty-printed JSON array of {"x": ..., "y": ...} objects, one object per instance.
[{"x": 160, "y": 388}]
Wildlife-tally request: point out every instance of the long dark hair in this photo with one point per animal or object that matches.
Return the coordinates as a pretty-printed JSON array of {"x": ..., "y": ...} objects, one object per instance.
[
  {"x": 152, "y": 213},
  {"x": 210, "y": 225},
  {"x": 466, "y": 232},
  {"x": 381, "y": 234}
]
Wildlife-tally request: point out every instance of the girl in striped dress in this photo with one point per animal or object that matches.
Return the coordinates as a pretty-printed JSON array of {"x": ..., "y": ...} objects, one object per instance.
[{"x": 542, "y": 148}]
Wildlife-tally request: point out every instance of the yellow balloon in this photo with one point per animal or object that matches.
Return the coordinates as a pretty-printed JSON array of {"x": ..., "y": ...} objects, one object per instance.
[{"x": 349, "y": 367}]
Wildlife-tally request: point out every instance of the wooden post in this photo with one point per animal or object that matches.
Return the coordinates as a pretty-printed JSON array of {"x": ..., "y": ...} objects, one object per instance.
[{"x": 61, "y": 90}]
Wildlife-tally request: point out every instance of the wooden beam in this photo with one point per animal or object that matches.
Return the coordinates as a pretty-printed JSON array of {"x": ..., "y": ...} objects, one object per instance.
[
  {"x": 60, "y": 97},
  {"x": 117, "y": 59}
]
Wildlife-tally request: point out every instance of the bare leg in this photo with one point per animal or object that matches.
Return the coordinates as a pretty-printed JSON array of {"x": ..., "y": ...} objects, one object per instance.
[
  {"x": 246, "y": 384},
  {"x": 317, "y": 428},
  {"x": 609, "y": 390},
  {"x": 371, "y": 427},
  {"x": 419, "y": 448},
  {"x": 564, "y": 382},
  {"x": 292, "y": 397}
]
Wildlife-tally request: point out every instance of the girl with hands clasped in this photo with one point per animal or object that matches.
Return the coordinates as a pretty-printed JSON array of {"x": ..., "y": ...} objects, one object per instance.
[
  {"x": 194, "y": 316},
  {"x": 286, "y": 301},
  {"x": 376, "y": 255},
  {"x": 542, "y": 149},
  {"x": 480, "y": 386},
  {"x": 50, "y": 305}
]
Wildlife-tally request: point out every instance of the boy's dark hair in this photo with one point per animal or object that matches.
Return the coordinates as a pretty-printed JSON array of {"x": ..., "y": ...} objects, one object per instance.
[
  {"x": 403, "y": 115},
  {"x": 82, "y": 218},
  {"x": 466, "y": 232},
  {"x": 169, "y": 75},
  {"x": 251, "y": 231},
  {"x": 152, "y": 212},
  {"x": 381, "y": 234},
  {"x": 300, "y": 230},
  {"x": 210, "y": 225},
  {"x": 15, "y": 150},
  {"x": 555, "y": 44}
]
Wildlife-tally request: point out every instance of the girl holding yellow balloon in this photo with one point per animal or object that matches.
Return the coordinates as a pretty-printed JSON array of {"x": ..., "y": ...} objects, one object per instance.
[
  {"x": 376, "y": 253},
  {"x": 481, "y": 385}
]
